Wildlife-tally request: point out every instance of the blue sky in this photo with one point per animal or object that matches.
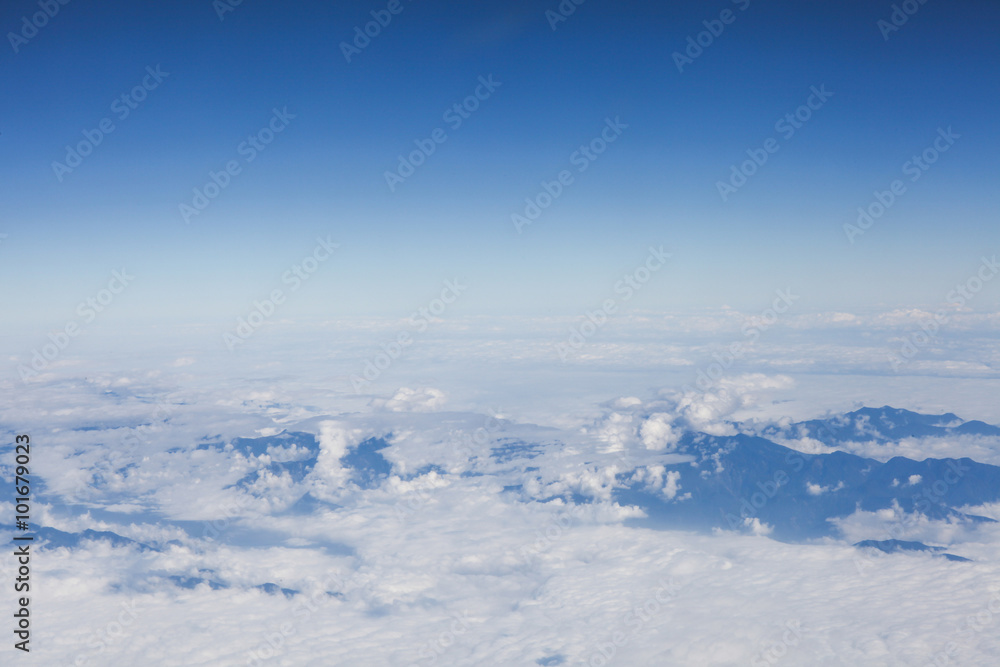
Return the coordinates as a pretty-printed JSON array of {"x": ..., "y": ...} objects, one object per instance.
[
  {"x": 324, "y": 174},
  {"x": 488, "y": 419}
]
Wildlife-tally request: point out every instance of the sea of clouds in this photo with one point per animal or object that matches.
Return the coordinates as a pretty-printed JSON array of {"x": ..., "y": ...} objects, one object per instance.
[{"x": 470, "y": 550}]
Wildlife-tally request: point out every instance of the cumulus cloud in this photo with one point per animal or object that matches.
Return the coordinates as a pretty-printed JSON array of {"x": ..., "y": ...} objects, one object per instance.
[
  {"x": 757, "y": 527},
  {"x": 593, "y": 483},
  {"x": 335, "y": 437},
  {"x": 626, "y": 402},
  {"x": 658, "y": 433},
  {"x": 707, "y": 411},
  {"x": 423, "y": 399},
  {"x": 616, "y": 430},
  {"x": 818, "y": 490}
]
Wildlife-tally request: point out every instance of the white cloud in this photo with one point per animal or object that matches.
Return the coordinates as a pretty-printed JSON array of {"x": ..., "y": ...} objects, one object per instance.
[
  {"x": 617, "y": 430},
  {"x": 757, "y": 527},
  {"x": 658, "y": 434},
  {"x": 456, "y": 550},
  {"x": 707, "y": 411},
  {"x": 671, "y": 487},
  {"x": 626, "y": 402},
  {"x": 423, "y": 399},
  {"x": 335, "y": 438}
]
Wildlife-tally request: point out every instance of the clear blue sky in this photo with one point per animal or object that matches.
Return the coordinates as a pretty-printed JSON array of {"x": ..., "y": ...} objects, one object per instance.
[{"x": 656, "y": 184}]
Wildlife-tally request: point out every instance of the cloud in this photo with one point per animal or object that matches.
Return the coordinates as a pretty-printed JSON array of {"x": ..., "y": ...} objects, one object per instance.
[
  {"x": 707, "y": 411},
  {"x": 626, "y": 402},
  {"x": 424, "y": 399},
  {"x": 658, "y": 480},
  {"x": 757, "y": 527},
  {"x": 616, "y": 430},
  {"x": 985, "y": 449},
  {"x": 464, "y": 561},
  {"x": 329, "y": 476},
  {"x": 657, "y": 433}
]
